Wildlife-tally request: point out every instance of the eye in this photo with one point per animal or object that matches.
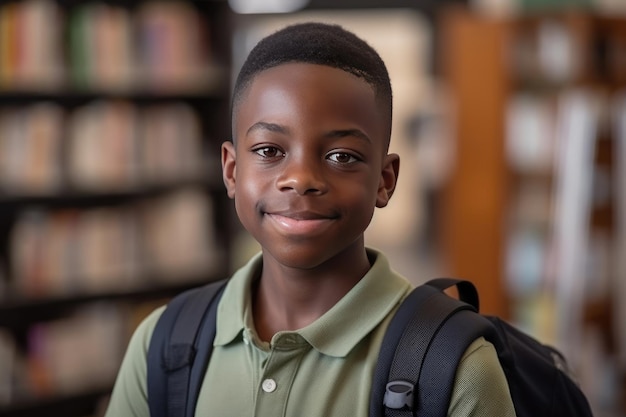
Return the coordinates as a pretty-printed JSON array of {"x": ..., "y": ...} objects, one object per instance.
[
  {"x": 269, "y": 152},
  {"x": 342, "y": 158}
]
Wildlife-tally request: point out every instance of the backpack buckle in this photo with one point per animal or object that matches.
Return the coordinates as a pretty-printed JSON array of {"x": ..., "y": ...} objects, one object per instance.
[{"x": 399, "y": 395}]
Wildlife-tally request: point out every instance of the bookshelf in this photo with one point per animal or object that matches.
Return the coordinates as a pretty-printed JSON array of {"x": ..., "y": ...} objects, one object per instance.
[
  {"x": 112, "y": 114},
  {"x": 530, "y": 209}
]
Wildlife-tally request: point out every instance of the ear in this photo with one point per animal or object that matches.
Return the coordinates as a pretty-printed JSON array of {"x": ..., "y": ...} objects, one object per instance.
[
  {"x": 388, "y": 179},
  {"x": 229, "y": 168}
]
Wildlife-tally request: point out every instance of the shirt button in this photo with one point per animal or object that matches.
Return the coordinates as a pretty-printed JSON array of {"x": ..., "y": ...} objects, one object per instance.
[{"x": 269, "y": 385}]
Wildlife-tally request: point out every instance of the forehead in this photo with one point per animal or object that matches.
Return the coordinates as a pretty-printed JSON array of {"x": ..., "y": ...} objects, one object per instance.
[{"x": 309, "y": 93}]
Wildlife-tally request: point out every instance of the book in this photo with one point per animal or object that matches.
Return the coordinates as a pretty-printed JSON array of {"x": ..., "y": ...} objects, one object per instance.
[
  {"x": 102, "y": 146},
  {"x": 170, "y": 142},
  {"x": 529, "y": 133},
  {"x": 72, "y": 354},
  {"x": 39, "y": 38},
  {"x": 27, "y": 249},
  {"x": 178, "y": 235},
  {"x": 172, "y": 46},
  {"x": 8, "y": 44},
  {"x": 618, "y": 119},
  {"x": 577, "y": 127},
  {"x": 114, "y": 249},
  {"x": 8, "y": 365},
  {"x": 108, "y": 248},
  {"x": 112, "y": 37}
]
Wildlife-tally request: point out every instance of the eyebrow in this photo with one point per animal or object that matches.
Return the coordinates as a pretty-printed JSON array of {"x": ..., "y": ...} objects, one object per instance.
[
  {"x": 272, "y": 127},
  {"x": 349, "y": 132},
  {"x": 340, "y": 133}
]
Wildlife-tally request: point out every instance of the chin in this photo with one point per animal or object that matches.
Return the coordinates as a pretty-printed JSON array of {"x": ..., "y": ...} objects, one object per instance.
[
  {"x": 307, "y": 255},
  {"x": 300, "y": 258},
  {"x": 302, "y": 262}
]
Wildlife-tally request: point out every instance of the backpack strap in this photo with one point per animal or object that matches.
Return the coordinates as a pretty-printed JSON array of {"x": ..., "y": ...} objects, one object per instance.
[
  {"x": 387, "y": 353},
  {"x": 467, "y": 291},
  {"x": 436, "y": 381},
  {"x": 419, "y": 355},
  {"x": 175, "y": 362}
]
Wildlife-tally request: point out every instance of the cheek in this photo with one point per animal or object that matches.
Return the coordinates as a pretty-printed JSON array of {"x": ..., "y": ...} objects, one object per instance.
[
  {"x": 361, "y": 200},
  {"x": 251, "y": 185},
  {"x": 245, "y": 207},
  {"x": 249, "y": 191}
]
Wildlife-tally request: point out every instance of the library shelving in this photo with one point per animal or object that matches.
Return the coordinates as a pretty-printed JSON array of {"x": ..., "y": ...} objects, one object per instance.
[
  {"x": 530, "y": 211},
  {"x": 111, "y": 199}
]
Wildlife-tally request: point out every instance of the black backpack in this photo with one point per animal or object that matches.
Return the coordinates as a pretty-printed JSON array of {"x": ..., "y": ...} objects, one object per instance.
[{"x": 416, "y": 366}]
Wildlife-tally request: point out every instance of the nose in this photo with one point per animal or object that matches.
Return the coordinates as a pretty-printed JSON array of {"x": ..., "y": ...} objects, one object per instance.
[{"x": 302, "y": 176}]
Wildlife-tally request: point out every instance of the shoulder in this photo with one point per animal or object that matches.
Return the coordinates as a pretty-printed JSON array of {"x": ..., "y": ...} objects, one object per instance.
[
  {"x": 137, "y": 350},
  {"x": 480, "y": 387},
  {"x": 479, "y": 350},
  {"x": 141, "y": 337},
  {"x": 130, "y": 391}
]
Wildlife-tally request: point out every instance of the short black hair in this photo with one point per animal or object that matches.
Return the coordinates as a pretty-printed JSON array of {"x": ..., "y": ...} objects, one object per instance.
[{"x": 323, "y": 44}]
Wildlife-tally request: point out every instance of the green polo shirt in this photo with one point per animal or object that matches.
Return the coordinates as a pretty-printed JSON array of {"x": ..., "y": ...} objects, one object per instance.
[{"x": 322, "y": 370}]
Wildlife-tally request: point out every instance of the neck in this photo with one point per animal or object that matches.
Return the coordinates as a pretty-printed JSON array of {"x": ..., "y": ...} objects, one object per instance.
[{"x": 287, "y": 299}]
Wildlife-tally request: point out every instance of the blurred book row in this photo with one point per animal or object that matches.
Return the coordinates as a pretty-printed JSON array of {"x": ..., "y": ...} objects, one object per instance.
[
  {"x": 100, "y": 146},
  {"x": 155, "y": 45},
  {"x": 77, "y": 353},
  {"x": 147, "y": 243},
  {"x": 570, "y": 48}
]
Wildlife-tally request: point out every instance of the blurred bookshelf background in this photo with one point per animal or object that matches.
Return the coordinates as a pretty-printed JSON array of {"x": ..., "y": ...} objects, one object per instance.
[{"x": 510, "y": 119}]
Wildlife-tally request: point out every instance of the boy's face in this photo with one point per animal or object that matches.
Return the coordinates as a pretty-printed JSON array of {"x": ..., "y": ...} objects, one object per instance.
[{"x": 309, "y": 163}]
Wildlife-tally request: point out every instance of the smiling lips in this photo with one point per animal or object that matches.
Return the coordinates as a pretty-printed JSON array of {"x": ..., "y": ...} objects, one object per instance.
[{"x": 300, "y": 223}]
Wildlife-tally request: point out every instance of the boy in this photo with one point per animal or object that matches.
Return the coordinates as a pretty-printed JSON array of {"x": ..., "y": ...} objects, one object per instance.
[{"x": 299, "y": 327}]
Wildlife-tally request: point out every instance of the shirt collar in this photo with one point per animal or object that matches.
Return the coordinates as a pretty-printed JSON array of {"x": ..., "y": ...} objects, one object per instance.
[{"x": 339, "y": 329}]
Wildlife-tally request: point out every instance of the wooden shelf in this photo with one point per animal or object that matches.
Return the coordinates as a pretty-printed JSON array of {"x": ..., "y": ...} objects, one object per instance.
[
  {"x": 20, "y": 311},
  {"x": 80, "y": 404},
  {"x": 69, "y": 197}
]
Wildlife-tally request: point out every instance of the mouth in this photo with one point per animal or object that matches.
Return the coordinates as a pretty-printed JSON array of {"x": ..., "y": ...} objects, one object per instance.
[{"x": 301, "y": 222}]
